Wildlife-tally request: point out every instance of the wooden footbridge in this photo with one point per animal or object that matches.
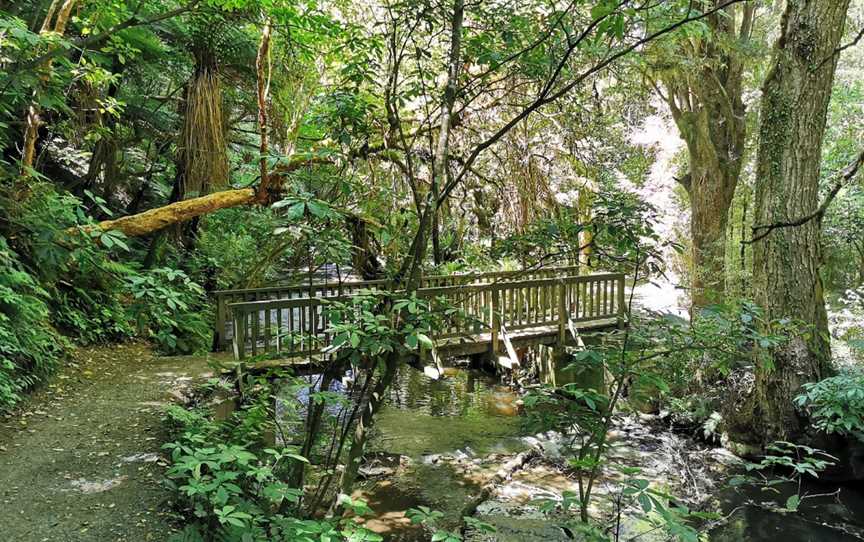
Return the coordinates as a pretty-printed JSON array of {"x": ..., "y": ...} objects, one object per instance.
[{"x": 499, "y": 312}]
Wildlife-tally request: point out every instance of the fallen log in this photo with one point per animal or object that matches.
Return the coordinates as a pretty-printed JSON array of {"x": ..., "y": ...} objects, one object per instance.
[{"x": 174, "y": 213}]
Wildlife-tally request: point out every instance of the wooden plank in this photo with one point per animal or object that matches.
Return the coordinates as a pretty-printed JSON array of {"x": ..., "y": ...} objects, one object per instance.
[
  {"x": 267, "y": 330},
  {"x": 508, "y": 347}
]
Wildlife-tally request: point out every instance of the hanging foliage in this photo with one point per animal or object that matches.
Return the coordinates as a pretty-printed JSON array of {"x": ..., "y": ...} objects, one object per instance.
[{"x": 203, "y": 154}]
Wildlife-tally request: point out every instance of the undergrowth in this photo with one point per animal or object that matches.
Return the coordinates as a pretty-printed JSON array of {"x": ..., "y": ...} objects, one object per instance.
[
  {"x": 60, "y": 286},
  {"x": 232, "y": 478}
]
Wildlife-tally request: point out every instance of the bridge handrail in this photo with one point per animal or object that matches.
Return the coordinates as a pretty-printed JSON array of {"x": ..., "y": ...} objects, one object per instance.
[
  {"x": 426, "y": 292},
  {"x": 517, "y": 304},
  {"x": 334, "y": 289}
]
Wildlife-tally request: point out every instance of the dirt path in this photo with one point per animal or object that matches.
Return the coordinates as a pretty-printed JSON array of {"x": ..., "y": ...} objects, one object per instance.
[{"x": 80, "y": 461}]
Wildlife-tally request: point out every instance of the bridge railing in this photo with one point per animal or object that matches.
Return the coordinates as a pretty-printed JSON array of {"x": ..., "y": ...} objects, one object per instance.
[
  {"x": 292, "y": 327},
  {"x": 224, "y": 332}
]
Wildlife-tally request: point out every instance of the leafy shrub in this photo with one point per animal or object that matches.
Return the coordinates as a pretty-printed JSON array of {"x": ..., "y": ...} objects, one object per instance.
[
  {"x": 167, "y": 307},
  {"x": 84, "y": 283},
  {"x": 30, "y": 349},
  {"x": 234, "y": 487},
  {"x": 785, "y": 462},
  {"x": 836, "y": 404},
  {"x": 232, "y": 242}
]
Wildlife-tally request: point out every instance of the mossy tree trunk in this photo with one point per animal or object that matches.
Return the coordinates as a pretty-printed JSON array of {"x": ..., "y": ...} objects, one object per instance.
[
  {"x": 710, "y": 115},
  {"x": 786, "y": 262}
]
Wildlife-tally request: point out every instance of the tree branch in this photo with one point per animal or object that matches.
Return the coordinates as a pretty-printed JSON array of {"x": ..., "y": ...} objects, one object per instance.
[
  {"x": 546, "y": 96},
  {"x": 846, "y": 176},
  {"x": 839, "y": 50}
]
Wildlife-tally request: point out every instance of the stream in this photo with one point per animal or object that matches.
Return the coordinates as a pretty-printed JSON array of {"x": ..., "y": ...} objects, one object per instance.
[
  {"x": 831, "y": 513},
  {"x": 449, "y": 435},
  {"x": 438, "y": 443}
]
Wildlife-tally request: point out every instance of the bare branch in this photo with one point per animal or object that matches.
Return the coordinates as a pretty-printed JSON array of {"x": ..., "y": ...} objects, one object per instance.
[
  {"x": 845, "y": 177},
  {"x": 839, "y": 50},
  {"x": 546, "y": 96}
]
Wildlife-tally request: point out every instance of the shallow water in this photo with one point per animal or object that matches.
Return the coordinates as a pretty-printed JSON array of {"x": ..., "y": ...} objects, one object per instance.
[
  {"x": 449, "y": 432},
  {"x": 831, "y": 514},
  {"x": 465, "y": 411}
]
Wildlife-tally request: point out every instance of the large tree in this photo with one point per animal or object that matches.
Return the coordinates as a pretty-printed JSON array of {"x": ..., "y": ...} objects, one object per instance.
[
  {"x": 704, "y": 85},
  {"x": 786, "y": 260}
]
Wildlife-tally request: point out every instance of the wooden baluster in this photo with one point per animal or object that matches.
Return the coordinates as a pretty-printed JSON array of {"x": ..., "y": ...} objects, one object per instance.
[
  {"x": 601, "y": 289},
  {"x": 621, "y": 313},
  {"x": 537, "y": 318},
  {"x": 220, "y": 321},
  {"x": 606, "y": 286},
  {"x": 562, "y": 312},
  {"x": 576, "y": 312},
  {"x": 496, "y": 319},
  {"x": 587, "y": 286},
  {"x": 517, "y": 314},
  {"x": 279, "y": 325},
  {"x": 256, "y": 324},
  {"x": 302, "y": 328},
  {"x": 542, "y": 303},
  {"x": 507, "y": 308},
  {"x": 291, "y": 329},
  {"x": 239, "y": 339},
  {"x": 266, "y": 330}
]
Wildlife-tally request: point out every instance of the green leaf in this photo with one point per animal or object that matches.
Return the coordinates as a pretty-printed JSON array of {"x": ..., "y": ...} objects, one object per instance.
[
  {"x": 645, "y": 502},
  {"x": 295, "y": 212},
  {"x": 424, "y": 340}
]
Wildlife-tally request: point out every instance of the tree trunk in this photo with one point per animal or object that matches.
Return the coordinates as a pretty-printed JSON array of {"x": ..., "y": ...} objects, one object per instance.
[
  {"x": 710, "y": 116},
  {"x": 712, "y": 187},
  {"x": 364, "y": 424},
  {"x": 33, "y": 119},
  {"x": 263, "y": 88},
  {"x": 180, "y": 211},
  {"x": 156, "y": 219},
  {"x": 442, "y": 151},
  {"x": 202, "y": 152},
  {"x": 786, "y": 262}
]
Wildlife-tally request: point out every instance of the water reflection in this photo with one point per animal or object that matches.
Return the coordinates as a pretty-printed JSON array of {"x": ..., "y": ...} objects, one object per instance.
[
  {"x": 834, "y": 517},
  {"x": 467, "y": 411},
  {"x": 463, "y": 392}
]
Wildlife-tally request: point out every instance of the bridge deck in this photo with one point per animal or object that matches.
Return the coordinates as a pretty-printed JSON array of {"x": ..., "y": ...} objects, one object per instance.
[{"x": 534, "y": 310}]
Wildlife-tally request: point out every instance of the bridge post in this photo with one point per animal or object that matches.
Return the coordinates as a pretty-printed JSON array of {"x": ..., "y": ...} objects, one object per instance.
[
  {"x": 621, "y": 307},
  {"x": 239, "y": 339},
  {"x": 496, "y": 319},
  {"x": 219, "y": 342},
  {"x": 563, "y": 315}
]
